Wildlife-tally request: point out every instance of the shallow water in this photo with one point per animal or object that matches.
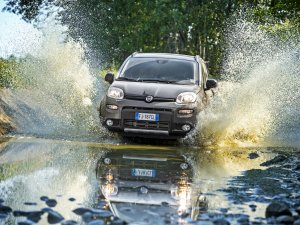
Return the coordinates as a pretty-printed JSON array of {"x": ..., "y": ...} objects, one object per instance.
[{"x": 217, "y": 180}]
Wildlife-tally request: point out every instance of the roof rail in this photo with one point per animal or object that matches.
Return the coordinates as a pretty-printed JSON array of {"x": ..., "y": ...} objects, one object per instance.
[{"x": 133, "y": 54}]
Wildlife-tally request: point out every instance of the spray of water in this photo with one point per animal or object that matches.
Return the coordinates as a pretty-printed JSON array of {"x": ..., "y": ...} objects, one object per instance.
[
  {"x": 258, "y": 100},
  {"x": 59, "y": 94}
]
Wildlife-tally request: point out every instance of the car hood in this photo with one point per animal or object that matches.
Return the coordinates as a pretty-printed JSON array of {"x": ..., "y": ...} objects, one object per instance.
[{"x": 159, "y": 90}]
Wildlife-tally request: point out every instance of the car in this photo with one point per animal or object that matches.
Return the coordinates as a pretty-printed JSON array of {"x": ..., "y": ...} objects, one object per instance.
[{"x": 156, "y": 95}]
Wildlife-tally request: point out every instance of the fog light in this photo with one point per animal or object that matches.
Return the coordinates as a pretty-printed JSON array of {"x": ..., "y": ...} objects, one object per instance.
[
  {"x": 113, "y": 107},
  {"x": 107, "y": 161},
  {"x": 184, "y": 166},
  {"x": 186, "y": 127},
  {"x": 109, "y": 123},
  {"x": 186, "y": 111}
]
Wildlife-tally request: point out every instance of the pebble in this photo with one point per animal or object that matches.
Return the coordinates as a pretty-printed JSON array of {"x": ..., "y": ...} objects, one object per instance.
[
  {"x": 5, "y": 209},
  {"x": 25, "y": 222},
  {"x": 96, "y": 222},
  {"x": 253, "y": 155},
  {"x": 1, "y": 201},
  {"x": 3, "y": 215},
  {"x": 101, "y": 212},
  {"x": 81, "y": 211},
  {"x": 72, "y": 199},
  {"x": 44, "y": 198},
  {"x": 87, "y": 217},
  {"x": 54, "y": 217},
  {"x": 297, "y": 222},
  {"x": 221, "y": 222},
  {"x": 276, "y": 160},
  {"x": 69, "y": 222},
  {"x": 30, "y": 203},
  {"x": 51, "y": 202},
  {"x": 298, "y": 210},
  {"x": 277, "y": 209},
  {"x": 285, "y": 219}
]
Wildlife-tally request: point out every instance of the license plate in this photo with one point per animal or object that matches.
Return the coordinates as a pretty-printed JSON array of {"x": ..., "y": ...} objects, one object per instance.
[
  {"x": 143, "y": 172},
  {"x": 147, "y": 116}
]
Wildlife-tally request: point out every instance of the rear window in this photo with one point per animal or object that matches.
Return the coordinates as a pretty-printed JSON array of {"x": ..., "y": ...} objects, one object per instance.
[{"x": 160, "y": 69}]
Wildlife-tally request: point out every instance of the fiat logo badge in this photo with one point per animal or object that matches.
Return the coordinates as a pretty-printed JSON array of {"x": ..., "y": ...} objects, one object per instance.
[{"x": 149, "y": 98}]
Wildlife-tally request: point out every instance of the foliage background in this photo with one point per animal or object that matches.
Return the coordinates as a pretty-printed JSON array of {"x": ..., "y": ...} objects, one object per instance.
[{"x": 114, "y": 29}]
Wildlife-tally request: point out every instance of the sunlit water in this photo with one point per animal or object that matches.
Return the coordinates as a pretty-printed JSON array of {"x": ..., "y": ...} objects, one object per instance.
[{"x": 31, "y": 168}]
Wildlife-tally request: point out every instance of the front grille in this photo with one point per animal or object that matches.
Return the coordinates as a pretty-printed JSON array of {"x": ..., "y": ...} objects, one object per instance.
[
  {"x": 155, "y": 99},
  {"x": 148, "y": 109},
  {"x": 146, "y": 125}
]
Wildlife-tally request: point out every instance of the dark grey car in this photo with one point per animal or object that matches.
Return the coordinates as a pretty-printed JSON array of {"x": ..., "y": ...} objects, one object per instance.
[{"x": 156, "y": 95}]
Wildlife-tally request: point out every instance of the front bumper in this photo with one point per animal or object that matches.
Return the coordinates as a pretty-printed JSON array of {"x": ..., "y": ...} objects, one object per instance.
[{"x": 170, "y": 120}]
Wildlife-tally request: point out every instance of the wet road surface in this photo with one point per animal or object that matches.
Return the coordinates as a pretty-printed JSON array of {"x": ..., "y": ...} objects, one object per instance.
[{"x": 53, "y": 181}]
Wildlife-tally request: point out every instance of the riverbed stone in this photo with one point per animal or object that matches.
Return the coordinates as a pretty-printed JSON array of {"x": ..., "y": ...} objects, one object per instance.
[
  {"x": 81, "y": 211},
  {"x": 25, "y": 222},
  {"x": 277, "y": 209},
  {"x": 5, "y": 209},
  {"x": 221, "y": 221},
  {"x": 51, "y": 202},
  {"x": 44, "y": 198},
  {"x": 253, "y": 155},
  {"x": 69, "y": 222},
  {"x": 276, "y": 160},
  {"x": 96, "y": 222},
  {"x": 87, "y": 217},
  {"x": 297, "y": 222},
  {"x": 54, "y": 217},
  {"x": 285, "y": 220}
]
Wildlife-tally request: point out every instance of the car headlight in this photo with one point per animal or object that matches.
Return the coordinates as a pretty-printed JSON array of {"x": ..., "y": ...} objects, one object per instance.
[
  {"x": 186, "y": 97},
  {"x": 115, "y": 93}
]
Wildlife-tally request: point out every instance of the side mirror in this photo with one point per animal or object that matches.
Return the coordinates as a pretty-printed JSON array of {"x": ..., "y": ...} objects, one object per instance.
[
  {"x": 109, "y": 77},
  {"x": 211, "y": 83}
]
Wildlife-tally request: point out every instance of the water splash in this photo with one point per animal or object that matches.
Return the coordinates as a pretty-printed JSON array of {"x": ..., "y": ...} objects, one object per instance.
[
  {"x": 257, "y": 102},
  {"x": 60, "y": 93}
]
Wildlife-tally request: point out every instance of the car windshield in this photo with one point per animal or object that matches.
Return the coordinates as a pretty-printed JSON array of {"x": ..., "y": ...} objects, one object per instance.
[{"x": 159, "y": 70}]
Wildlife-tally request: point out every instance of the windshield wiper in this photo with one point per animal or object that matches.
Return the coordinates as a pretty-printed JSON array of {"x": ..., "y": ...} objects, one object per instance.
[
  {"x": 126, "y": 78},
  {"x": 157, "y": 80}
]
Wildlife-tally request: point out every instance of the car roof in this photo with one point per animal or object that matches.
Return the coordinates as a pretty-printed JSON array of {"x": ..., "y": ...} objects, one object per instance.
[{"x": 164, "y": 55}]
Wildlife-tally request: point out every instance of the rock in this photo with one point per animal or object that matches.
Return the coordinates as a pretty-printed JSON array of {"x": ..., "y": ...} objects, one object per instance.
[
  {"x": 297, "y": 222},
  {"x": 285, "y": 219},
  {"x": 25, "y": 222},
  {"x": 51, "y": 202},
  {"x": 81, "y": 211},
  {"x": 44, "y": 198},
  {"x": 3, "y": 215},
  {"x": 253, "y": 155},
  {"x": 221, "y": 222},
  {"x": 96, "y": 222},
  {"x": 72, "y": 199},
  {"x": 69, "y": 222},
  {"x": 1, "y": 201},
  {"x": 54, "y": 217},
  {"x": 298, "y": 210},
  {"x": 277, "y": 209},
  {"x": 101, "y": 212},
  {"x": 35, "y": 216},
  {"x": 30, "y": 203},
  {"x": 5, "y": 209},
  {"x": 165, "y": 204},
  {"x": 276, "y": 160},
  {"x": 252, "y": 207},
  {"x": 47, "y": 210},
  {"x": 87, "y": 217}
]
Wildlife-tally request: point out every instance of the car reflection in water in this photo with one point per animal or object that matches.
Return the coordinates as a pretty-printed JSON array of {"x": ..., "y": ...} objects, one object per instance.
[{"x": 149, "y": 186}]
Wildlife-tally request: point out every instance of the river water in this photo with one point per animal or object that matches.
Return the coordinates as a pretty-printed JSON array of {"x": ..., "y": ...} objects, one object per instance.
[{"x": 142, "y": 184}]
